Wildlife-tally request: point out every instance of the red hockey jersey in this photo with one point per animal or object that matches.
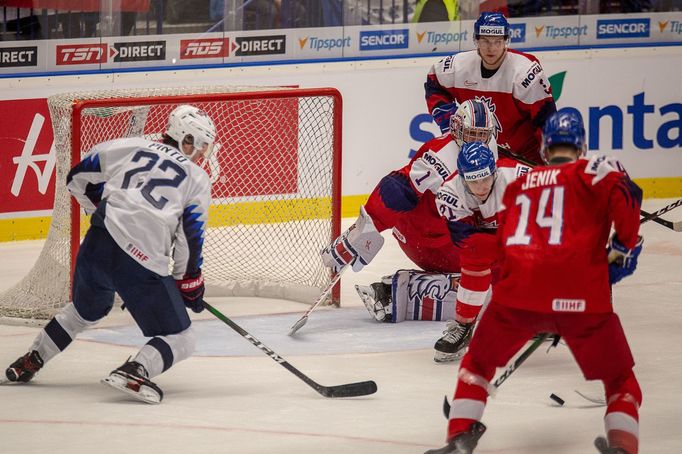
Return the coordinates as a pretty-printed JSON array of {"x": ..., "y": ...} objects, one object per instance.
[
  {"x": 518, "y": 95},
  {"x": 404, "y": 200},
  {"x": 553, "y": 231}
]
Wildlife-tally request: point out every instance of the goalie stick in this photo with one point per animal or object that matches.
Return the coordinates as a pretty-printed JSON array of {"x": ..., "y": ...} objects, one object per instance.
[
  {"x": 303, "y": 320},
  {"x": 347, "y": 390},
  {"x": 492, "y": 389}
]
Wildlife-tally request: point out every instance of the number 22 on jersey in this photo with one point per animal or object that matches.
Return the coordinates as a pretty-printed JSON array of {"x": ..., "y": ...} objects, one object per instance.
[{"x": 553, "y": 221}]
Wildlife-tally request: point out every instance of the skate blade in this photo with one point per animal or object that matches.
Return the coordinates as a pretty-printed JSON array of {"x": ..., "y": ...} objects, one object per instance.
[
  {"x": 145, "y": 394},
  {"x": 447, "y": 357}
]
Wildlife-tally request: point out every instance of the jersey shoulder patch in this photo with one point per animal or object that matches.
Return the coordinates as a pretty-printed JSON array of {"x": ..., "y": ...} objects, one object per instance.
[{"x": 601, "y": 166}]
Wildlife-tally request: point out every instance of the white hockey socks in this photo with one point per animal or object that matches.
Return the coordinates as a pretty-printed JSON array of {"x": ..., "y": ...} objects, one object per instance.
[{"x": 161, "y": 352}]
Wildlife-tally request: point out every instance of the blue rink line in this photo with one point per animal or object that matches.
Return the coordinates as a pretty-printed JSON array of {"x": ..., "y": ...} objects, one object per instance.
[{"x": 329, "y": 331}]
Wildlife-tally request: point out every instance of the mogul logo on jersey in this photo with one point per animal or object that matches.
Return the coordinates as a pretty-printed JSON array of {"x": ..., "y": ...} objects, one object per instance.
[
  {"x": 320, "y": 44},
  {"x": 517, "y": 33},
  {"x": 11, "y": 57},
  {"x": 384, "y": 39},
  {"x": 531, "y": 75},
  {"x": 81, "y": 54},
  {"x": 260, "y": 45},
  {"x": 623, "y": 28},
  {"x": 138, "y": 51},
  {"x": 204, "y": 48}
]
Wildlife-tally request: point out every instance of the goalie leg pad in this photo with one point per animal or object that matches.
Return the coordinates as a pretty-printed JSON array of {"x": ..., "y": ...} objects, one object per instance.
[{"x": 418, "y": 295}]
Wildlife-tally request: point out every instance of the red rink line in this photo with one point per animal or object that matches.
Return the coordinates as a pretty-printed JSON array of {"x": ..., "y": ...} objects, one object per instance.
[{"x": 109, "y": 424}]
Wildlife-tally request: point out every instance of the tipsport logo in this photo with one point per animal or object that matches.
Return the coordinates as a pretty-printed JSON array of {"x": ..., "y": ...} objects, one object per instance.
[
  {"x": 675, "y": 27},
  {"x": 322, "y": 44},
  {"x": 623, "y": 28},
  {"x": 442, "y": 39},
  {"x": 552, "y": 32}
]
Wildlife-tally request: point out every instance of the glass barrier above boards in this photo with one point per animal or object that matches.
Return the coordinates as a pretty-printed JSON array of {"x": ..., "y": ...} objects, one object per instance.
[{"x": 59, "y": 19}]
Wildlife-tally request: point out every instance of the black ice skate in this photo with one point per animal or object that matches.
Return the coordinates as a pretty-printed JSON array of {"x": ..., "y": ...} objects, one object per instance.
[
  {"x": 463, "y": 443},
  {"x": 131, "y": 378},
  {"x": 23, "y": 369},
  {"x": 454, "y": 342},
  {"x": 603, "y": 447},
  {"x": 377, "y": 299}
]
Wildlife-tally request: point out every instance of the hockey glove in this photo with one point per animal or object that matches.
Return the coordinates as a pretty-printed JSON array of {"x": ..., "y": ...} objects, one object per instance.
[
  {"x": 192, "y": 290},
  {"x": 441, "y": 115},
  {"x": 358, "y": 245},
  {"x": 622, "y": 261}
]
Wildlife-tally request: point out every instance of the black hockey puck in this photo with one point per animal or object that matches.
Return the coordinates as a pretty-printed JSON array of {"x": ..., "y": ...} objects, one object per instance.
[{"x": 556, "y": 399}]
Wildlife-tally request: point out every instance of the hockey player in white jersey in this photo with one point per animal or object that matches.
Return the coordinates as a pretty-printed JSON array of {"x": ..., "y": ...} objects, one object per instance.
[
  {"x": 469, "y": 200},
  {"x": 149, "y": 203}
]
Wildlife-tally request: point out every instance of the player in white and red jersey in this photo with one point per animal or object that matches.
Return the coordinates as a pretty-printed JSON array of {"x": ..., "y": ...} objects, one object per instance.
[
  {"x": 404, "y": 201},
  {"x": 469, "y": 200},
  {"x": 511, "y": 83},
  {"x": 557, "y": 264},
  {"x": 149, "y": 203}
]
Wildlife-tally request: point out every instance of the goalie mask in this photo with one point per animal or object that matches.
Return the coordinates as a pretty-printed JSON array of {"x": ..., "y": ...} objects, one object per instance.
[
  {"x": 472, "y": 122},
  {"x": 476, "y": 166},
  {"x": 564, "y": 127},
  {"x": 189, "y": 125}
]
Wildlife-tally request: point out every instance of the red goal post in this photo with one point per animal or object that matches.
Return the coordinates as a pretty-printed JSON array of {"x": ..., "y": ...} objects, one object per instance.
[{"x": 276, "y": 188}]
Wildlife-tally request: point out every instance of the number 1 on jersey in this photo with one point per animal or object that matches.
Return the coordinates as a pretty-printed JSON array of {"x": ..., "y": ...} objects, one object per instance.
[{"x": 554, "y": 222}]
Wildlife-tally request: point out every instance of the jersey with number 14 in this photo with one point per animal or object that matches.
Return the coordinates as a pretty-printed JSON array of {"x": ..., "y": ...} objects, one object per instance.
[
  {"x": 553, "y": 233},
  {"x": 154, "y": 201}
]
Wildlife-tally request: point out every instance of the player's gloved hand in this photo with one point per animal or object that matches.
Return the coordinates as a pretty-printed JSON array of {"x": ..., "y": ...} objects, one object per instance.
[
  {"x": 191, "y": 288},
  {"x": 358, "y": 245},
  {"x": 622, "y": 261},
  {"x": 441, "y": 115}
]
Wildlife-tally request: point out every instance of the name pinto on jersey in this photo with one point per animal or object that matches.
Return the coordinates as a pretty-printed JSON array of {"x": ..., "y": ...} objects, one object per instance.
[
  {"x": 541, "y": 178},
  {"x": 170, "y": 151}
]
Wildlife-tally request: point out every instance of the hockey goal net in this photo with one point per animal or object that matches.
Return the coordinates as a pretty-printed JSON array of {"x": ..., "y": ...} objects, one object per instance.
[{"x": 275, "y": 179}]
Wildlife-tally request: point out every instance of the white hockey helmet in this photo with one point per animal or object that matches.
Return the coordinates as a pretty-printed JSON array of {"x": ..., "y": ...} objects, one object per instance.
[
  {"x": 472, "y": 122},
  {"x": 191, "y": 125}
]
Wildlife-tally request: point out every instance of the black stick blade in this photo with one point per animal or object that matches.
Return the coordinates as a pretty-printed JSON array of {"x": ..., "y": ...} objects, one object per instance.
[{"x": 363, "y": 388}]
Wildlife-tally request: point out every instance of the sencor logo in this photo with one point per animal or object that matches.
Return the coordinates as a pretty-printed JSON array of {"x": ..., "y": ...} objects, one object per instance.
[
  {"x": 384, "y": 39},
  {"x": 18, "y": 56},
  {"x": 81, "y": 54},
  {"x": 204, "y": 48},
  {"x": 260, "y": 45},
  {"x": 623, "y": 28},
  {"x": 517, "y": 33}
]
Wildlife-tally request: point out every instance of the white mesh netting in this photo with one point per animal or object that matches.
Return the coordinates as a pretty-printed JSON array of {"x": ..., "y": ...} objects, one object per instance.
[{"x": 273, "y": 175}]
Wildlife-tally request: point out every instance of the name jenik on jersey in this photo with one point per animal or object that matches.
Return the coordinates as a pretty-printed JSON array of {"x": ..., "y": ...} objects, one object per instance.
[
  {"x": 541, "y": 178},
  {"x": 170, "y": 151}
]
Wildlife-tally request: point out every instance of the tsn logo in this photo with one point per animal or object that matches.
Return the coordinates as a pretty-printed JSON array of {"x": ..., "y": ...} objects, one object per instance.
[
  {"x": 81, "y": 54},
  {"x": 204, "y": 48}
]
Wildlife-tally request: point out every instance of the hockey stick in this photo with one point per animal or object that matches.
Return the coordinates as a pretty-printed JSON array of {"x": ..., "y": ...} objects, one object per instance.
[
  {"x": 492, "y": 389},
  {"x": 303, "y": 320},
  {"x": 594, "y": 400},
  {"x": 347, "y": 390},
  {"x": 675, "y": 226}
]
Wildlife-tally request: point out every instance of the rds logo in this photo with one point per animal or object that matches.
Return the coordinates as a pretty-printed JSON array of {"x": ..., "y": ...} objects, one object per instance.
[{"x": 666, "y": 134}]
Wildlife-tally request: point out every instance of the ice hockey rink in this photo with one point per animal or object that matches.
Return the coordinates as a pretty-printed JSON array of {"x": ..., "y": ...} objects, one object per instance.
[{"x": 231, "y": 398}]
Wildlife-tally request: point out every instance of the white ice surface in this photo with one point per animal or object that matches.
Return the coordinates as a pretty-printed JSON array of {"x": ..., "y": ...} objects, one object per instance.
[{"x": 231, "y": 398}]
